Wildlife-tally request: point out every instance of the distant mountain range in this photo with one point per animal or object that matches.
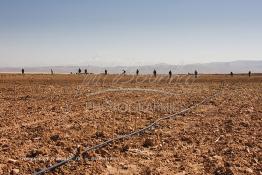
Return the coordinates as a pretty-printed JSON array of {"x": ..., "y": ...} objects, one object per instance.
[{"x": 213, "y": 68}]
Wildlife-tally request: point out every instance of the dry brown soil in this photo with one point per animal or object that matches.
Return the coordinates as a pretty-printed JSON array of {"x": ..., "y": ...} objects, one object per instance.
[{"x": 43, "y": 118}]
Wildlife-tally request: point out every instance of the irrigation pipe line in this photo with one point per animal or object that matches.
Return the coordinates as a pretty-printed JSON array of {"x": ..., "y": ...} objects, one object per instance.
[{"x": 121, "y": 137}]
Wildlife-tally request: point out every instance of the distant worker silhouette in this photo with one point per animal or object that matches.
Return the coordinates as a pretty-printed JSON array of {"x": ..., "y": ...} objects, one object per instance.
[
  {"x": 79, "y": 71},
  {"x": 170, "y": 74},
  {"x": 52, "y": 72},
  {"x": 124, "y": 72},
  {"x": 154, "y": 72},
  {"x": 105, "y": 72},
  {"x": 231, "y": 73},
  {"x": 196, "y": 73},
  {"x": 85, "y": 71},
  {"x": 249, "y": 73},
  {"x": 23, "y": 71},
  {"x": 137, "y": 72}
]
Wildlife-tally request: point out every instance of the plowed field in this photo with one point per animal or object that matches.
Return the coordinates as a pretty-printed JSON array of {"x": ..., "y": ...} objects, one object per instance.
[{"x": 44, "y": 118}]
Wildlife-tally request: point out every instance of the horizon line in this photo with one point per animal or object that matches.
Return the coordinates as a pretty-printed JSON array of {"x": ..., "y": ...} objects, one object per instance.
[{"x": 112, "y": 66}]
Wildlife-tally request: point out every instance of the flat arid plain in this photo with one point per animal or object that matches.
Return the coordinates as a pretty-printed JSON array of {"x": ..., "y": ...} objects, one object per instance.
[{"x": 46, "y": 119}]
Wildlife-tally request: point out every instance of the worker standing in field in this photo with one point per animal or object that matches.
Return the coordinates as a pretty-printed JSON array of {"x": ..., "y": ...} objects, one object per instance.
[
  {"x": 170, "y": 74},
  {"x": 23, "y": 71},
  {"x": 154, "y": 72},
  {"x": 79, "y": 71},
  {"x": 105, "y": 72},
  {"x": 124, "y": 72},
  {"x": 52, "y": 72},
  {"x": 196, "y": 73},
  {"x": 249, "y": 73},
  {"x": 231, "y": 73},
  {"x": 137, "y": 72},
  {"x": 85, "y": 71}
]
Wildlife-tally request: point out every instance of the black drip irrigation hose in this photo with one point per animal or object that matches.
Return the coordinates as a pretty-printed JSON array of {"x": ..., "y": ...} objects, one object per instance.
[{"x": 121, "y": 137}]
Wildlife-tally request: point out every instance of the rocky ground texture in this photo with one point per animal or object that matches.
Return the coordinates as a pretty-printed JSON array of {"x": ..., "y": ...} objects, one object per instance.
[{"x": 45, "y": 118}]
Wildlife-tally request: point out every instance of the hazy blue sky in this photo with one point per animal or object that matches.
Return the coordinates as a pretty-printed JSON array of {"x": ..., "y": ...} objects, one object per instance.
[{"x": 128, "y": 32}]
